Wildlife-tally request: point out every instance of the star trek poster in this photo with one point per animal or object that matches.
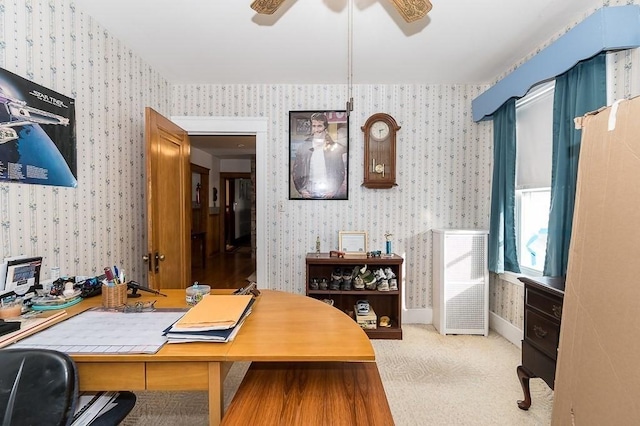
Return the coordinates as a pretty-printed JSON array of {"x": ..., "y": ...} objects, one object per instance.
[{"x": 37, "y": 134}]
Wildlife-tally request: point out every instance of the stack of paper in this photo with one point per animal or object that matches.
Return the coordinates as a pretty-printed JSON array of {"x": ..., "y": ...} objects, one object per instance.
[
  {"x": 216, "y": 318},
  {"x": 92, "y": 405}
]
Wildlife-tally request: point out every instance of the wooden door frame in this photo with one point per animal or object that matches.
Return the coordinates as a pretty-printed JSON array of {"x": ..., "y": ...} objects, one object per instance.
[
  {"x": 223, "y": 198},
  {"x": 256, "y": 126}
]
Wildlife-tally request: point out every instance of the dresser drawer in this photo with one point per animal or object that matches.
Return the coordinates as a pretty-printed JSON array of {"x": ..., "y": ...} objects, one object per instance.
[
  {"x": 542, "y": 333},
  {"x": 551, "y": 306},
  {"x": 541, "y": 365}
]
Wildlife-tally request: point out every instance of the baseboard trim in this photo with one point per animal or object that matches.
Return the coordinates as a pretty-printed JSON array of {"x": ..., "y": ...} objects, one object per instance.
[
  {"x": 496, "y": 323},
  {"x": 506, "y": 329},
  {"x": 417, "y": 316}
]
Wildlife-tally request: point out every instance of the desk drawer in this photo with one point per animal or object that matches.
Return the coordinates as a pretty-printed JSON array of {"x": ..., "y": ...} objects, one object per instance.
[
  {"x": 111, "y": 376},
  {"x": 178, "y": 375},
  {"x": 542, "y": 333},
  {"x": 549, "y": 305}
]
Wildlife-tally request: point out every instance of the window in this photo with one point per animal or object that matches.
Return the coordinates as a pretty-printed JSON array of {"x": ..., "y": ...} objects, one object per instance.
[{"x": 534, "y": 134}]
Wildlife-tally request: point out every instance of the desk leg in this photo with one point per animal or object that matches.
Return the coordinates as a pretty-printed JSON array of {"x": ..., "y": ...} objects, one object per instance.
[{"x": 216, "y": 394}]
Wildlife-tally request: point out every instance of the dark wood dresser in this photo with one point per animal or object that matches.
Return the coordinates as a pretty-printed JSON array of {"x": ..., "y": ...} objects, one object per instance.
[{"x": 543, "y": 298}]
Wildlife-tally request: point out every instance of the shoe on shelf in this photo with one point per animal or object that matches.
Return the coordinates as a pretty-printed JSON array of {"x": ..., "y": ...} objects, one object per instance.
[
  {"x": 389, "y": 273},
  {"x": 380, "y": 275},
  {"x": 346, "y": 281},
  {"x": 383, "y": 285},
  {"x": 393, "y": 284},
  {"x": 324, "y": 285},
  {"x": 358, "y": 282},
  {"x": 336, "y": 279},
  {"x": 369, "y": 280}
]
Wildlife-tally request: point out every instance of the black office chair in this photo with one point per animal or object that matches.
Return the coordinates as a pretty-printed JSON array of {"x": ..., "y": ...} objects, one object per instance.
[
  {"x": 40, "y": 387},
  {"x": 37, "y": 387}
]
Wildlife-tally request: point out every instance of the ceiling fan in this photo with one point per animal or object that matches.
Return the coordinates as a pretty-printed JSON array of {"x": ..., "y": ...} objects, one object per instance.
[{"x": 411, "y": 10}]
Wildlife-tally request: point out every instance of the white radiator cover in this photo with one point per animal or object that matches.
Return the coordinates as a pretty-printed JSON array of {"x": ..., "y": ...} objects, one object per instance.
[{"x": 460, "y": 281}]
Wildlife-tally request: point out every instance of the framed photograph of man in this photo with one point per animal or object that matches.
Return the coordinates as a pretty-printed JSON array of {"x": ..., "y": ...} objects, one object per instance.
[{"x": 318, "y": 155}]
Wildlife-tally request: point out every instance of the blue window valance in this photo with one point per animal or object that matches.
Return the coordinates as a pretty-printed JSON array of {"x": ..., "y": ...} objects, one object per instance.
[{"x": 608, "y": 28}]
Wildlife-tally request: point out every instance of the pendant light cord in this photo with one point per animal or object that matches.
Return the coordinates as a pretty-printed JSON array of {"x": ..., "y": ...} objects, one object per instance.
[{"x": 350, "y": 56}]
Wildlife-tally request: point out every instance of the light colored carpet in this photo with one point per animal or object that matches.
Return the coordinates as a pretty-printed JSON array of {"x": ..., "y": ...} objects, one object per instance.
[{"x": 429, "y": 380}]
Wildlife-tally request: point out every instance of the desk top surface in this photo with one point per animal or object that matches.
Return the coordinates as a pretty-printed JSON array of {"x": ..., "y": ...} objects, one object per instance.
[{"x": 281, "y": 327}]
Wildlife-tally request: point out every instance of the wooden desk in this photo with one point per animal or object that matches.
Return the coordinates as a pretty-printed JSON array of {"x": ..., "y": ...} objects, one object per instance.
[{"x": 281, "y": 327}]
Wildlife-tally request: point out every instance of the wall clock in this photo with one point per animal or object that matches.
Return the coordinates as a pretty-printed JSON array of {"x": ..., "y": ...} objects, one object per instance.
[{"x": 380, "y": 151}]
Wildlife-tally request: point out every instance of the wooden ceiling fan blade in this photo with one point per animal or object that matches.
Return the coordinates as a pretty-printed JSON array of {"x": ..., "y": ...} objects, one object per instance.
[
  {"x": 266, "y": 7},
  {"x": 412, "y": 10}
]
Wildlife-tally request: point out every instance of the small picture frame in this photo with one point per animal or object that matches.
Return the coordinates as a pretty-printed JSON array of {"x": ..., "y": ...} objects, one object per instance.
[{"x": 353, "y": 243}]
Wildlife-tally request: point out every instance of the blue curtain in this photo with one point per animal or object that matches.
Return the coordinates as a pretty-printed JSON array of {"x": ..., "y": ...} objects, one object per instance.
[
  {"x": 503, "y": 255},
  {"x": 581, "y": 89}
]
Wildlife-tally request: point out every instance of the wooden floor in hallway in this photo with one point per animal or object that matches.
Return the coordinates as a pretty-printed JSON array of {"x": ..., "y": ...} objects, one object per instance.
[{"x": 226, "y": 270}]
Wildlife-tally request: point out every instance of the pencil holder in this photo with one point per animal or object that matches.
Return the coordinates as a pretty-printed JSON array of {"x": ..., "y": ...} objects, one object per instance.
[{"x": 114, "y": 296}]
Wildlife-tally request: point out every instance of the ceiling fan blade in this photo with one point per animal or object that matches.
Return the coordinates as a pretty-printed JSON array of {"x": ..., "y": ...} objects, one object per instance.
[
  {"x": 412, "y": 10},
  {"x": 266, "y": 7}
]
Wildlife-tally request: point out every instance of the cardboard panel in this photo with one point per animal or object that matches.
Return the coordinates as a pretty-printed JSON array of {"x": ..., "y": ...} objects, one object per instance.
[{"x": 597, "y": 377}]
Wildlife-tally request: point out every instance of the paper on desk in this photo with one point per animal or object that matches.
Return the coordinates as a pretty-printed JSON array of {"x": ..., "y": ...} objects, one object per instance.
[
  {"x": 214, "y": 312},
  {"x": 222, "y": 336}
]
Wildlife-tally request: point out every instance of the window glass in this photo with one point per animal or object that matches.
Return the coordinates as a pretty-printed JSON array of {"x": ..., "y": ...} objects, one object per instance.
[
  {"x": 532, "y": 229},
  {"x": 534, "y": 133}
]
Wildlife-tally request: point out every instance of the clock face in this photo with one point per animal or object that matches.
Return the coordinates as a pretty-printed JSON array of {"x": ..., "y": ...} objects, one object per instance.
[{"x": 379, "y": 130}]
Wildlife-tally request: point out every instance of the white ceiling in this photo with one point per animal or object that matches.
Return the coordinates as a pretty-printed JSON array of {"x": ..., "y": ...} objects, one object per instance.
[{"x": 226, "y": 42}]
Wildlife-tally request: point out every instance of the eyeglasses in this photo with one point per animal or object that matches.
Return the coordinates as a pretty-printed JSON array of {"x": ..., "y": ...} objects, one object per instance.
[{"x": 139, "y": 307}]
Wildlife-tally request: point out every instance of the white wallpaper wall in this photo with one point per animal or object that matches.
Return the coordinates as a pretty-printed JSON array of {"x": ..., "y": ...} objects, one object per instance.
[
  {"x": 444, "y": 171},
  {"x": 101, "y": 222},
  {"x": 444, "y": 158}
]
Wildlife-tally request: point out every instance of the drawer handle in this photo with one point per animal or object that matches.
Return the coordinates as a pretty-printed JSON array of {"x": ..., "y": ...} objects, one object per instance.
[
  {"x": 539, "y": 331},
  {"x": 557, "y": 311}
]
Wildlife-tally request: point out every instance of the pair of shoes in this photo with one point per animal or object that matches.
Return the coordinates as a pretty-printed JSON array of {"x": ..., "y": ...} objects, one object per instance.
[
  {"x": 314, "y": 284},
  {"x": 347, "y": 278}
]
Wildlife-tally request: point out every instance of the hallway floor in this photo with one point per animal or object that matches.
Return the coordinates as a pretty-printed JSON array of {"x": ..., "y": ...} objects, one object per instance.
[{"x": 226, "y": 270}]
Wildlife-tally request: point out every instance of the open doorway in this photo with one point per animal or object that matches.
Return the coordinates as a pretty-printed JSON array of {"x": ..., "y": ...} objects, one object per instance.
[{"x": 257, "y": 127}]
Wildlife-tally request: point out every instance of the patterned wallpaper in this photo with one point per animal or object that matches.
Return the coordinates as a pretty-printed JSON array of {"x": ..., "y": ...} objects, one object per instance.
[
  {"x": 101, "y": 222},
  {"x": 444, "y": 171},
  {"x": 444, "y": 158}
]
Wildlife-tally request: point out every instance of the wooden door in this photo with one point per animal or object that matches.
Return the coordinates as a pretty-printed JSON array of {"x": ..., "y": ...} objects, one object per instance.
[{"x": 168, "y": 202}]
